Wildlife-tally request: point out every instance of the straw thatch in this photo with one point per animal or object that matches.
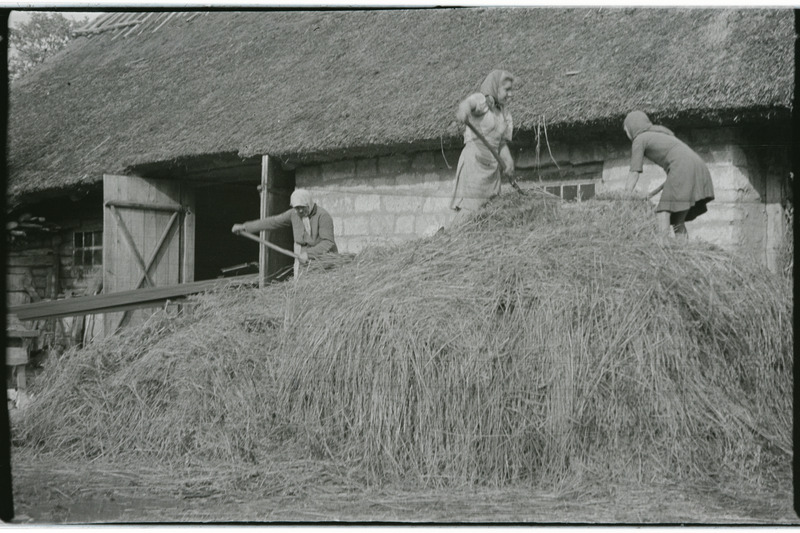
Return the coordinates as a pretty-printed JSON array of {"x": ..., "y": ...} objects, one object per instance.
[
  {"x": 306, "y": 86},
  {"x": 537, "y": 342}
]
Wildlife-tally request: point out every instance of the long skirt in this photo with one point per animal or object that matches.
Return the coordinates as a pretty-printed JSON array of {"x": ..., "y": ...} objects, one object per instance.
[{"x": 477, "y": 177}]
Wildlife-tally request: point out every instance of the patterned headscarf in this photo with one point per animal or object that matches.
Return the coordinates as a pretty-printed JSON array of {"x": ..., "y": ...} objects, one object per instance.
[
  {"x": 637, "y": 122},
  {"x": 491, "y": 85}
]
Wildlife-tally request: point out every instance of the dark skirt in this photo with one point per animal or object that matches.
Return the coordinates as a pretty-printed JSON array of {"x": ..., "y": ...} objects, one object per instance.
[{"x": 688, "y": 186}]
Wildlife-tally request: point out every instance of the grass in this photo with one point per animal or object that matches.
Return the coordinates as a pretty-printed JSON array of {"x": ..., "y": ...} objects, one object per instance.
[{"x": 536, "y": 343}]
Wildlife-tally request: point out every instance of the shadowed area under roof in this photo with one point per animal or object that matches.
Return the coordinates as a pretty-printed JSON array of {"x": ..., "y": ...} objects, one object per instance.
[{"x": 306, "y": 84}]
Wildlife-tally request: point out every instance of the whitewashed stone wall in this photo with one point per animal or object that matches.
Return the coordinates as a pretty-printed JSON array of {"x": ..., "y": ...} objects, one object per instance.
[
  {"x": 747, "y": 215},
  {"x": 383, "y": 200},
  {"x": 392, "y": 199}
]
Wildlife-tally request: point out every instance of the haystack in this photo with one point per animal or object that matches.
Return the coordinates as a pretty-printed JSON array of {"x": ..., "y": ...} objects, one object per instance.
[{"x": 537, "y": 342}]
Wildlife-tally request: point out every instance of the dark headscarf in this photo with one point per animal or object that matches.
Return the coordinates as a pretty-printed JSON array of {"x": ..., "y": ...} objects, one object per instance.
[
  {"x": 491, "y": 85},
  {"x": 637, "y": 122}
]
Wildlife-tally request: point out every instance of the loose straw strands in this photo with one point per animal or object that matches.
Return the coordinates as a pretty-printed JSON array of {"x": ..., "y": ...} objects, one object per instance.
[{"x": 535, "y": 342}]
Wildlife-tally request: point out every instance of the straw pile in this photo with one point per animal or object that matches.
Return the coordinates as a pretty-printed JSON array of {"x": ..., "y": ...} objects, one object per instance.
[{"x": 536, "y": 342}]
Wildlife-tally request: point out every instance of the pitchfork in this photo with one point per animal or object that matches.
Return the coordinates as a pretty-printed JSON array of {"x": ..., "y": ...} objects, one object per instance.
[{"x": 496, "y": 155}]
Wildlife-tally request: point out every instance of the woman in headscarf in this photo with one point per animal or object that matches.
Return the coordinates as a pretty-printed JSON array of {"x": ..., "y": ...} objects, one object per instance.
[
  {"x": 688, "y": 187},
  {"x": 478, "y": 172},
  {"x": 311, "y": 225}
]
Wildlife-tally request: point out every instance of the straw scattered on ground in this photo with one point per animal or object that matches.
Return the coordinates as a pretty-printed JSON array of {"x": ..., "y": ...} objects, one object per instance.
[{"x": 543, "y": 343}]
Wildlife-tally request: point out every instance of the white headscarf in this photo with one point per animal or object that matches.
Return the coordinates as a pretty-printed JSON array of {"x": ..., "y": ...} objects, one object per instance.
[{"x": 303, "y": 197}]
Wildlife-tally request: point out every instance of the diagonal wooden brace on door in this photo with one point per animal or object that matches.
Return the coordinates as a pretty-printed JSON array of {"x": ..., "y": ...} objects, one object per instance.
[
  {"x": 131, "y": 244},
  {"x": 152, "y": 258},
  {"x": 145, "y": 267}
]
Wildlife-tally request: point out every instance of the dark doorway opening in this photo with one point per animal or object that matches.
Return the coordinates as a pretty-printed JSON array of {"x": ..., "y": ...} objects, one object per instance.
[{"x": 218, "y": 252}]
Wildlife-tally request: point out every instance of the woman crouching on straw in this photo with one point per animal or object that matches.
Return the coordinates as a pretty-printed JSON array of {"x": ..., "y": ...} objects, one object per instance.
[
  {"x": 478, "y": 172},
  {"x": 311, "y": 225},
  {"x": 688, "y": 187}
]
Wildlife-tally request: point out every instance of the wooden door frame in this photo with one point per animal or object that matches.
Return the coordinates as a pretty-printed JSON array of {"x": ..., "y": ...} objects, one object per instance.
[{"x": 269, "y": 190}]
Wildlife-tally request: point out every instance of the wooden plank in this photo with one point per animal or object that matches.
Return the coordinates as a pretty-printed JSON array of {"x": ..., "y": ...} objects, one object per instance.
[
  {"x": 151, "y": 228},
  {"x": 53, "y": 285},
  {"x": 78, "y": 324},
  {"x": 17, "y": 297},
  {"x": 32, "y": 252},
  {"x": 153, "y": 256},
  {"x": 145, "y": 206},
  {"x": 109, "y": 249},
  {"x": 775, "y": 230},
  {"x": 167, "y": 270},
  {"x": 155, "y": 192},
  {"x": 131, "y": 244},
  {"x": 30, "y": 260},
  {"x": 281, "y": 184},
  {"x": 140, "y": 192},
  {"x": 16, "y": 356},
  {"x": 263, "y": 253},
  {"x": 157, "y": 248},
  {"x": 122, "y": 300},
  {"x": 13, "y": 333},
  {"x": 187, "y": 242},
  {"x": 122, "y": 263}
]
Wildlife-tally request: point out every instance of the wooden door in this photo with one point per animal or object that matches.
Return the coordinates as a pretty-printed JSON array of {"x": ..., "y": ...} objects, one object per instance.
[
  {"x": 148, "y": 238},
  {"x": 276, "y": 189}
]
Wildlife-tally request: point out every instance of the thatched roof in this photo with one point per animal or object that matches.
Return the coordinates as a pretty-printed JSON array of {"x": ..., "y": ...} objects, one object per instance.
[{"x": 308, "y": 85}]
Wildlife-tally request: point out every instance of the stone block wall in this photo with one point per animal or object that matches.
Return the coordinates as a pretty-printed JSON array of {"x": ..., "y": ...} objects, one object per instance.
[
  {"x": 395, "y": 198},
  {"x": 384, "y": 199},
  {"x": 747, "y": 214}
]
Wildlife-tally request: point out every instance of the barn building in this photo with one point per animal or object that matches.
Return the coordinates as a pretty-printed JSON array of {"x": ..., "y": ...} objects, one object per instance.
[{"x": 133, "y": 151}]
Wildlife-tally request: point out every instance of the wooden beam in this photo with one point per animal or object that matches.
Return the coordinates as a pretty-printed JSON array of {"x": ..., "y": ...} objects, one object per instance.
[
  {"x": 123, "y": 300},
  {"x": 188, "y": 227},
  {"x": 264, "y": 213},
  {"x": 147, "y": 207}
]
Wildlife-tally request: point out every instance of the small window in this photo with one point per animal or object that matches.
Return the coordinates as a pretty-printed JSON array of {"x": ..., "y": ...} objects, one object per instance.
[
  {"x": 569, "y": 192},
  {"x": 586, "y": 191},
  {"x": 572, "y": 192},
  {"x": 87, "y": 248}
]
